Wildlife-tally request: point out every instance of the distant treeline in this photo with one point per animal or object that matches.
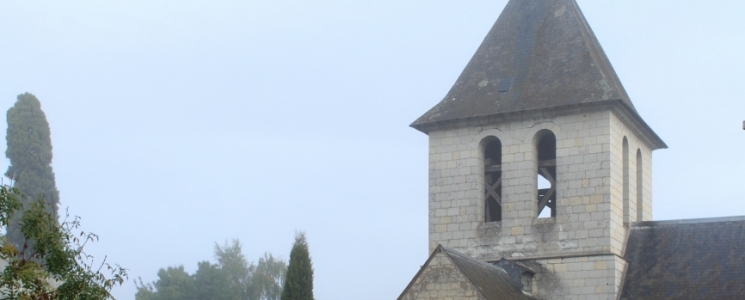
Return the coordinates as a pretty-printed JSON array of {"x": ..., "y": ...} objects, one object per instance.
[{"x": 233, "y": 277}]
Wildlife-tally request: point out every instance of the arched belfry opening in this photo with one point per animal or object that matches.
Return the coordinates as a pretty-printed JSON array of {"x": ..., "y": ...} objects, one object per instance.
[
  {"x": 626, "y": 188},
  {"x": 546, "y": 179},
  {"x": 639, "y": 187},
  {"x": 492, "y": 179}
]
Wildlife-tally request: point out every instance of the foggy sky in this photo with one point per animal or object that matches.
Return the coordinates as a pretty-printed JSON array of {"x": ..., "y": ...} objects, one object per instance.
[{"x": 178, "y": 124}]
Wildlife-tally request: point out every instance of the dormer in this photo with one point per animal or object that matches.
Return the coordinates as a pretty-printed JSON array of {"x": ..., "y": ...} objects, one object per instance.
[{"x": 521, "y": 274}]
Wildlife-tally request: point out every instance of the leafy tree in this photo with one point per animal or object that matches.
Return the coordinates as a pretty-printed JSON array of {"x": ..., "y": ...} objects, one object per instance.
[
  {"x": 145, "y": 291},
  {"x": 236, "y": 268},
  {"x": 232, "y": 277},
  {"x": 173, "y": 283},
  {"x": 268, "y": 278},
  {"x": 55, "y": 267},
  {"x": 299, "y": 281},
  {"x": 212, "y": 282},
  {"x": 30, "y": 154}
]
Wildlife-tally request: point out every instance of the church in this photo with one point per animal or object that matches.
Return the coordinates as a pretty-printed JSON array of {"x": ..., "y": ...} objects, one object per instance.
[{"x": 540, "y": 180}]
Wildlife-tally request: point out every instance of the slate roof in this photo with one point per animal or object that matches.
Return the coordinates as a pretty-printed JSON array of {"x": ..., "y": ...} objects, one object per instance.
[
  {"x": 492, "y": 281},
  {"x": 539, "y": 54},
  {"x": 515, "y": 270},
  {"x": 687, "y": 259}
]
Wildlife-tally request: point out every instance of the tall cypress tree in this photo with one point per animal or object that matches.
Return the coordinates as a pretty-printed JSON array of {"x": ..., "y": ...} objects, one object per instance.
[
  {"x": 30, "y": 153},
  {"x": 299, "y": 281}
]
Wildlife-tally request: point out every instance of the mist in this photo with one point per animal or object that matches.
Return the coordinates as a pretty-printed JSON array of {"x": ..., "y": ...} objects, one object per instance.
[{"x": 180, "y": 124}]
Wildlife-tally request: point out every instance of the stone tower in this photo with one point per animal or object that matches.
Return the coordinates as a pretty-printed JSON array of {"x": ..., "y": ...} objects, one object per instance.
[{"x": 537, "y": 154}]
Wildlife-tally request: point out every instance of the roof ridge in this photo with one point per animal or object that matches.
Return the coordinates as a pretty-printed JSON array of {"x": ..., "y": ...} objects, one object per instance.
[
  {"x": 450, "y": 251},
  {"x": 689, "y": 221}
]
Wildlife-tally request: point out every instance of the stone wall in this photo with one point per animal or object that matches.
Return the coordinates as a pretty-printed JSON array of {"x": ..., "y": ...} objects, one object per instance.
[
  {"x": 579, "y": 251},
  {"x": 583, "y": 221},
  {"x": 441, "y": 280},
  {"x": 619, "y": 130},
  {"x": 579, "y": 278}
]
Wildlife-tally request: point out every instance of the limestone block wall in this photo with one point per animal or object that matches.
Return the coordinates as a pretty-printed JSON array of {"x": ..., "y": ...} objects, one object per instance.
[
  {"x": 579, "y": 278},
  {"x": 585, "y": 213},
  {"x": 441, "y": 280},
  {"x": 619, "y": 131}
]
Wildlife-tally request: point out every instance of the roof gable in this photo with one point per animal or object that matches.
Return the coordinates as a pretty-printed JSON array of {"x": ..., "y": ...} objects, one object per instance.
[
  {"x": 489, "y": 281},
  {"x": 539, "y": 54},
  {"x": 688, "y": 259}
]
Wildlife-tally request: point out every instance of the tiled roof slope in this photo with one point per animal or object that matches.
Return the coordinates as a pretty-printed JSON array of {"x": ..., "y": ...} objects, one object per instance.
[
  {"x": 688, "y": 259},
  {"x": 539, "y": 54},
  {"x": 493, "y": 282}
]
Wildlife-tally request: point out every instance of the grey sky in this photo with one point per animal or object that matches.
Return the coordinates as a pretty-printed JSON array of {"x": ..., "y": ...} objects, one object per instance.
[{"x": 177, "y": 124}]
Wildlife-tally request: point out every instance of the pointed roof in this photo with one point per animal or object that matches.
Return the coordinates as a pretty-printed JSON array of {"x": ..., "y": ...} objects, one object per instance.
[
  {"x": 490, "y": 281},
  {"x": 539, "y": 54}
]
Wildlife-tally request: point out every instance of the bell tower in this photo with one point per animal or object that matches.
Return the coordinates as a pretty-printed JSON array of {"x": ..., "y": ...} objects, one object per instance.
[{"x": 537, "y": 154}]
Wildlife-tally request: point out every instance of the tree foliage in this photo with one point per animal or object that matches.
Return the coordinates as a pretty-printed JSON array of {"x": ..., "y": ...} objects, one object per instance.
[
  {"x": 299, "y": 281},
  {"x": 30, "y": 153},
  {"x": 173, "y": 283},
  {"x": 55, "y": 267},
  {"x": 268, "y": 278},
  {"x": 212, "y": 282},
  {"x": 232, "y": 277},
  {"x": 235, "y": 268}
]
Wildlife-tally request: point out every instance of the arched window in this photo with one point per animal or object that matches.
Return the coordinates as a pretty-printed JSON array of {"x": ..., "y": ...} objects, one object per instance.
[
  {"x": 626, "y": 194},
  {"x": 546, "y": 179},
  {"x": 493, "y": 179},
  {"x": 639, "y": 186}
]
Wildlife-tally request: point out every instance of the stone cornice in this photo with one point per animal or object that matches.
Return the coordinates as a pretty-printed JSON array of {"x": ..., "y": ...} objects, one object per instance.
[{"x": 620, "y": 110}]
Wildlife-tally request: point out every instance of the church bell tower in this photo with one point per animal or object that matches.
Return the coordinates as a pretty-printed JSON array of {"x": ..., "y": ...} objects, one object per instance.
[{"x": 538, "y": 156}]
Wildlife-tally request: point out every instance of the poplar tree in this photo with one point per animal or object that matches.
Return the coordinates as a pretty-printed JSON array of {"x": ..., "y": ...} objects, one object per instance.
[
  {"x": 299, "y": 281},
  {"x": 30, "y": 153}
]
